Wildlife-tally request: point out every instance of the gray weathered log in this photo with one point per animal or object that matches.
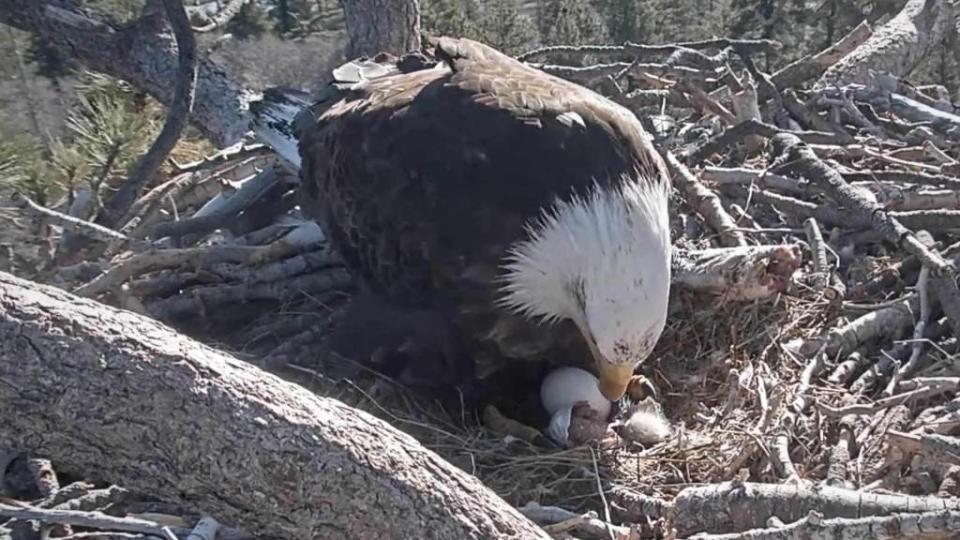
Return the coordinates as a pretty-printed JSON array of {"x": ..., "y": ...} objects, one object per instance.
[
  {"x": 899, "y": 526},
  {"x": 729, "y": 507},
  {"x": 110, "y": 393},
  {"x": 218, "y": 214},
  {"x": 897, "y": 47}
]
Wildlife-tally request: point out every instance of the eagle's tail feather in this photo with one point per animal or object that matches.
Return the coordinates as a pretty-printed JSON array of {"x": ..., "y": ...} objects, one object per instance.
[{"x": 274, "y": 120}]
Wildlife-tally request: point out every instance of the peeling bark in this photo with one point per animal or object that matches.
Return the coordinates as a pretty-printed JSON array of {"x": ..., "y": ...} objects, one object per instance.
[{"x": 97, "y": 389}]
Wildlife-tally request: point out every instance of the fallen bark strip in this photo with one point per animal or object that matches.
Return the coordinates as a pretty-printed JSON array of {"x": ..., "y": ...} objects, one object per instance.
[
  {"x": 99, "y": 389},
  {"x": 900, "y": 526},
  {"x": 705, "y": 202}
]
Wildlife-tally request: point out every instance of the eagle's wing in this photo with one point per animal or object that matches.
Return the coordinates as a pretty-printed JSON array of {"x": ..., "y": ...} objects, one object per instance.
[{"x": 425, "y": 178}]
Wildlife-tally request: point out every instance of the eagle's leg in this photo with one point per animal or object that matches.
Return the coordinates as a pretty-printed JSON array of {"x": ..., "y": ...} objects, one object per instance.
[{"x": 422, "y": 348}]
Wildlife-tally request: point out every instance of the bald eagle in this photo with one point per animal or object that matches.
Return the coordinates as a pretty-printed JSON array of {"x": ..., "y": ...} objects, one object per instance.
[{"x": 490, "y": 211}]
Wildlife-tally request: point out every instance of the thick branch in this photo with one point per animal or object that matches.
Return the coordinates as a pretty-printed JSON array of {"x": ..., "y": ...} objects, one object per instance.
[
  {"x": 102, "y": 390},
  {"x": 212, "y": 216},
  {"x": 809, "y": 67},
  {"x": 800, "y": 158},
  {"x": 177, "y": 112},
  {"x": 898, "y": 46},
  {"x": 704, "y": 201},
  {"x": 144, "y": 54}
]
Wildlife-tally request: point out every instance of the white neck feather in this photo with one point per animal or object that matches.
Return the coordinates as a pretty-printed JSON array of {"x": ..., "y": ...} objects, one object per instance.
[{"x": 611, "y": 247}]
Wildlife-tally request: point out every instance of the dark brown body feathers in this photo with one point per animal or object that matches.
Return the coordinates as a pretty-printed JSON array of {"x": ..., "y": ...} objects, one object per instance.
[{"x": 424, "y": 180}]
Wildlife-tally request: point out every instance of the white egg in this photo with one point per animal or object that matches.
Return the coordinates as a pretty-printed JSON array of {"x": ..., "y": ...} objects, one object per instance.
[{"x": 567, "y": 385}]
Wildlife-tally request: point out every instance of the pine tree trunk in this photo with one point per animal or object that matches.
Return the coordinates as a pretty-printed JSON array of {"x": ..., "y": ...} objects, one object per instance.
[
  {"x": 375, "y": 26},
  {"x": 105, "y": 392}
]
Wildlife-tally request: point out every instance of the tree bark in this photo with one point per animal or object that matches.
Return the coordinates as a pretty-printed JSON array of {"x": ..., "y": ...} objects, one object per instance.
[
  {"x": 897, "y": 47},
  {"x": 143, "y": 54},
  {"x": 375, "y": 26},
  {"x": 109, "y": 393}
]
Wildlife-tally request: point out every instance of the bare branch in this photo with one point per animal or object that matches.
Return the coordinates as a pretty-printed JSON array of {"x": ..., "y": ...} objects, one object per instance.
[
  {"x": 705, "y": 202},
  {"x": 638, "y": 50},
  {"x": 92, "y": 230}
]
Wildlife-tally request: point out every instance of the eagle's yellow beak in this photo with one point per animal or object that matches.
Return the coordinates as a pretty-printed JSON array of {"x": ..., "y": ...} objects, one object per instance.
[{"x": 614, "y": 379}]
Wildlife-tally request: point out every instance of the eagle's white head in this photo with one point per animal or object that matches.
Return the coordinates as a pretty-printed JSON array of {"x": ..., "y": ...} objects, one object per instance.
[{"x": 602, "y": 261}]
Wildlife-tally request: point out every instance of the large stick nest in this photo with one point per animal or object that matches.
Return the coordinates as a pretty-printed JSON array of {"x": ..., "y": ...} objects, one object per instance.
[{"x": 813, "y": 319}]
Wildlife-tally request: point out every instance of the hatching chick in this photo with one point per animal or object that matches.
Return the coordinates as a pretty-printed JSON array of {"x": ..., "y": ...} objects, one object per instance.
[
  {"x": 644, "y": 423},
  {"x": 586, "y": 424}
]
